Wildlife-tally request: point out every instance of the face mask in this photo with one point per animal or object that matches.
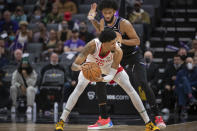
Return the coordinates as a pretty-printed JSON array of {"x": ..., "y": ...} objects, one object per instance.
[
  {"x": 37, "y": 17},
  {"x": 12, "y": 38},
  {"x": 176, "y": 66},
  {"x": 183, "y": 57},
  {"x": 147, "y": 60},
  {"x": 189, "y": 66},
  {"x": 54, "y": 63}
]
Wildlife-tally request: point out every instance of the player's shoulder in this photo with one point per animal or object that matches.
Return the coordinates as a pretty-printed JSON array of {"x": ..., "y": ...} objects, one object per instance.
[
  {"x": 124, "y": 22},
  {"x": 91, "y": 45}
]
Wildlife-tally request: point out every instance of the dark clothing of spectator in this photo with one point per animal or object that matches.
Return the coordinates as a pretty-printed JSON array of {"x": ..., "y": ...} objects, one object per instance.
[
  {"x": 11, "y": 26},
  {"x": 185, "y": 80}
]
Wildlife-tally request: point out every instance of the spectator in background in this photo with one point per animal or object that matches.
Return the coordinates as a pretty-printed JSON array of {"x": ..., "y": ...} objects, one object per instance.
[
  {"x": 65, "y": 33},
  {"x": 17, "y": 57},
  {"x": 3, "y": 58},
  {"x": 195, "y": 61},
  {"x": 140, "y": 16},
  {"x": 185, "y": 81},
  {"x": 23, "y": 35},
  {"x": 74, "y": 44},
  {"x": 68, "y": 18},
  {"x": 152, "y": 71},
  {"x": 53, "y": 65},
  {"x": 66, "y": 6},
  {"x": 51, "y": 45},
  {"x": 183, "y": 53},
  {"x": 6, "y": 24},
  {"x": 41, "y": 36},
  {"x": 194, "y": 48},
  {"x": 37, "y": 15},
  {"x": 4, "y": 92},
  {"x": 83, "y": 32},
  {"x": 53, "y": 16},
  {"x": 171, "y": 70},
  {"x": 23, "y": 84},
  {"x": 19, "y": 15},
  {"x": 42, "y": 4}
]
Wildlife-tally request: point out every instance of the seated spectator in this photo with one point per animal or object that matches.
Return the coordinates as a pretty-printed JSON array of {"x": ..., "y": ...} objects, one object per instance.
[
  {"x": 139, "y": 15},
  {"x": 195, "y": 61},
  {"x": 83, "y": 32},
  {"x": 3, "y": 56},
  {"x": 65, "y": 33},
  {"x": 23, "y": 37},
  {"x": 37, "y": 15},
  {"x": 41, "y": 36},
  {"x": 53, "y": 16},
  {"x": 17, "y": 57},
  {"x": 194, "y": 48},
  {"x": 74, "y": 44},
  {"x": 183, "y": 53},
  {"x": 23, "y": 84},
  {"x": 53, "y": 66},
  {"x": 171, "y": 70},
  {"x": 68, "y": 18},
  {"x": 6, "y": 24},
  {"x": 185, "y": 81},
  {"x": 19, "y": 15},
  {"x": 152, "y": 71},
  {"x": 51, "y": 45},
  {"x": 66, "y": 6},
  {"x": 42, "y": 4},
  {"x": 4, "y": 92}
]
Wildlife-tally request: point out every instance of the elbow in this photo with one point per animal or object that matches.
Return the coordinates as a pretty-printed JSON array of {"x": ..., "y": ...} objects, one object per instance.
[{"x": 138, "y": 41}]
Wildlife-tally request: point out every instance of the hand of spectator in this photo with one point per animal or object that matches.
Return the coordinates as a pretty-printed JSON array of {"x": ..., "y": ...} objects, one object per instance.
[
  {"x": 23, "y": 89},
  {"x": 73, "y": 83},
  {"x": 194, "y": 89},
  {"x": 24, "y": 72},
  {"x": 173, "y": 78},
  {"x": 167, "y": 87},
  {"x": 92, "y": 12}
]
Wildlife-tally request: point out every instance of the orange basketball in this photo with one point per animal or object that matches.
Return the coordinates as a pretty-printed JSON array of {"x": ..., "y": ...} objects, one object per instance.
[{"x": 91, "y": 71}]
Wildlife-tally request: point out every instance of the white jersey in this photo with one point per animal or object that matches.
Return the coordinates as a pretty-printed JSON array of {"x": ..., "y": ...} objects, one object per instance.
[{"x": 104, "y": 62}]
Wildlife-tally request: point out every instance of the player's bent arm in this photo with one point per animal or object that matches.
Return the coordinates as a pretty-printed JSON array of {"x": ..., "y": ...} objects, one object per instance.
[
  {"x": 96, "y": 24},
  {"x": 116, "y": 61},
  {"x": 88, "y": 49},
  {"x": 127, "y": 28}
]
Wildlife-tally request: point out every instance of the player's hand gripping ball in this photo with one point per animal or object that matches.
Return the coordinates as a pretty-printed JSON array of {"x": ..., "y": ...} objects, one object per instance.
[{"x": 91, "y": 71}]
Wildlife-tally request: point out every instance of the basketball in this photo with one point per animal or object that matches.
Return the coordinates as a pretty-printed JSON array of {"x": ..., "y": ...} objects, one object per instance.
[{"x": 91, "y": 71}]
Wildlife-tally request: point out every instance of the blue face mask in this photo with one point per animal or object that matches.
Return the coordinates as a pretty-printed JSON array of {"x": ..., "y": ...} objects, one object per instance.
[
  {"x": 12, "y": 38},
  {"x": 37, "y": 17}
]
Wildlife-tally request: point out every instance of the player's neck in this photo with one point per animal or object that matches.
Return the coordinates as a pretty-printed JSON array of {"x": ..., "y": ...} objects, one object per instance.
[
  {"x": 112, "y": 23},
  {"x": 104, "y": 51}
]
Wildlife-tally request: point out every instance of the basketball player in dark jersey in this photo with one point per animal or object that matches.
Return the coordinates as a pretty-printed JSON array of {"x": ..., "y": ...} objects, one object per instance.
[{"x": 132, "y": 55}]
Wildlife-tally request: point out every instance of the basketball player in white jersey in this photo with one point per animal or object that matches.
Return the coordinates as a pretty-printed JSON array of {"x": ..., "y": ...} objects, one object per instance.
[{"x": 107, "y": 54}]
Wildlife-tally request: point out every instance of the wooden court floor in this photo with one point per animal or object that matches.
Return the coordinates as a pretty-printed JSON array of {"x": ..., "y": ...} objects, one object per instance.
[{"x": 190, "y": 126}]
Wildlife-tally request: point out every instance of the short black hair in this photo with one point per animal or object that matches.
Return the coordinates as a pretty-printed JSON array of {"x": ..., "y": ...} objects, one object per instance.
[
  {"x": 107, "y": 35},
  {"x": 176, "y": 55},
  {"x": 108, "y": 4}
]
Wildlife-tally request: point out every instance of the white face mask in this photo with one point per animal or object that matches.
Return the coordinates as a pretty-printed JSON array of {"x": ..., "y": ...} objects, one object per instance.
[
  {"x": 54, "y": 63},
  {"x": 189, "y": 66},
  {"x": 196, "y": 37}
]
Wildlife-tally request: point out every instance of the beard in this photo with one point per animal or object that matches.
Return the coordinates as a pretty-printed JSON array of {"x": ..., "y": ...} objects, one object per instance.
[{"x": 110, "y": 21}]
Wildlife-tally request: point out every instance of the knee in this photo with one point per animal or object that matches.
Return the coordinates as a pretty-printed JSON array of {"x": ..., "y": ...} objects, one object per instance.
[
  {"x": 31, "y": 89},
  {"x": 13, "y": 89}
]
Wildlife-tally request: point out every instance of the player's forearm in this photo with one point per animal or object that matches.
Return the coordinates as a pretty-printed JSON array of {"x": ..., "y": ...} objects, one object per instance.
[
  {"x": 75, "y": 67},
  {"x": 131, "y": 42},
  {"x": 96, "y": 24}
]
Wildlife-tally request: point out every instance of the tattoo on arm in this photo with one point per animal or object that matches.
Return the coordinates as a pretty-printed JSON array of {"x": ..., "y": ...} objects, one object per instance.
[{"x": 117, "y": 58}]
